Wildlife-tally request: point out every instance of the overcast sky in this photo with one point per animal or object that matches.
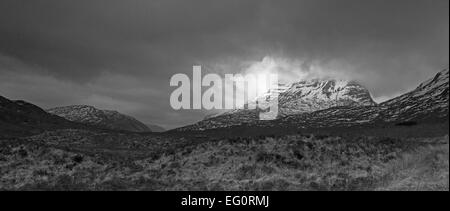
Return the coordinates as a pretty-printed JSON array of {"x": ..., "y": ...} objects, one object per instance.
[{"x": 120, "y": 55}]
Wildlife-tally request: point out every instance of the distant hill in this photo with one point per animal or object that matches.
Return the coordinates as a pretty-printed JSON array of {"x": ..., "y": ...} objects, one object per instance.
[
  {"x": 20, "y": 118},
  {"x": 90, "y": 115}
]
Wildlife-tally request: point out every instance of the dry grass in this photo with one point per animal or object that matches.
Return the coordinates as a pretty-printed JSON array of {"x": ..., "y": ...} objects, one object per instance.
[
  {"x": 299, "y": 163},
  {"x": 265, "y": 163},
  {"x": 424, "y": 169}
]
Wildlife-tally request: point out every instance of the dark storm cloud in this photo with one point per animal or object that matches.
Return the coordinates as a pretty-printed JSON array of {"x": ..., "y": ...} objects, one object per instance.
[
  {"x": 70, "y": 37},
  {"x": 121, "y": 54}
]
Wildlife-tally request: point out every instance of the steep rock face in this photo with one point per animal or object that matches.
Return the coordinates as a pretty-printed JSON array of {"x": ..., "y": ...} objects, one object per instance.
[
  {"x": 100, "y": 118},
  {"x": 20, "y": 118}
]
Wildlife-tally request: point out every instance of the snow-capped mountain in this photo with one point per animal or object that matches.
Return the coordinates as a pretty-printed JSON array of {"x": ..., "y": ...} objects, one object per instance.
[
  {"x": 428, "y": 102},
  {"x": 314, "y": 95},
  {"x": 309, "y": 96},
  {"x": 101, "y": 118}
]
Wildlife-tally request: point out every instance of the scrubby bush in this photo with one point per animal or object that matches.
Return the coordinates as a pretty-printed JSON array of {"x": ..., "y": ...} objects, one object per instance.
[{"x": 77, "y": 158}]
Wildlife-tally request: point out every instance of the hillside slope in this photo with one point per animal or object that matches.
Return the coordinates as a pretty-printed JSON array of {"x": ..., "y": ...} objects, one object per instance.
[
  {"x": 20, "y": 118},
  {"x": 100, "y": 118}
]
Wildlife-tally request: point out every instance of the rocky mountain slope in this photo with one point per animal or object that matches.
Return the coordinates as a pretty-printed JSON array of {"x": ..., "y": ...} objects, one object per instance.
[
  {"x": 309, "y": 96},
  {"x": 428, "y": 102},
  {"x": 20, "y": 118},
  {"x": 100, "y": 118},
  {"x": 300, "y": 98},
  {"x": 314, "y": 95}
]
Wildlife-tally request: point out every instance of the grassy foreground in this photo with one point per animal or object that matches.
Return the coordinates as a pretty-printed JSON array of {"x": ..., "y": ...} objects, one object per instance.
[{"x": 79, "y": 160}]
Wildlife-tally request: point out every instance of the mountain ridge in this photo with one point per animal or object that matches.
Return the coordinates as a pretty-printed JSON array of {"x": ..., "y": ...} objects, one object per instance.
[
  {"x": 428, "y": 101},
  {"x": 101, "y": 118},
  {"x": 20, "y": 118}
]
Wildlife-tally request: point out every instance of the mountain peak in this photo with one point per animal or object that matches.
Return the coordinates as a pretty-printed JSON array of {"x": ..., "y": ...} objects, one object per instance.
[
  {"x": 307, "y": 96},
  {"x": 318, "y": 94}
]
